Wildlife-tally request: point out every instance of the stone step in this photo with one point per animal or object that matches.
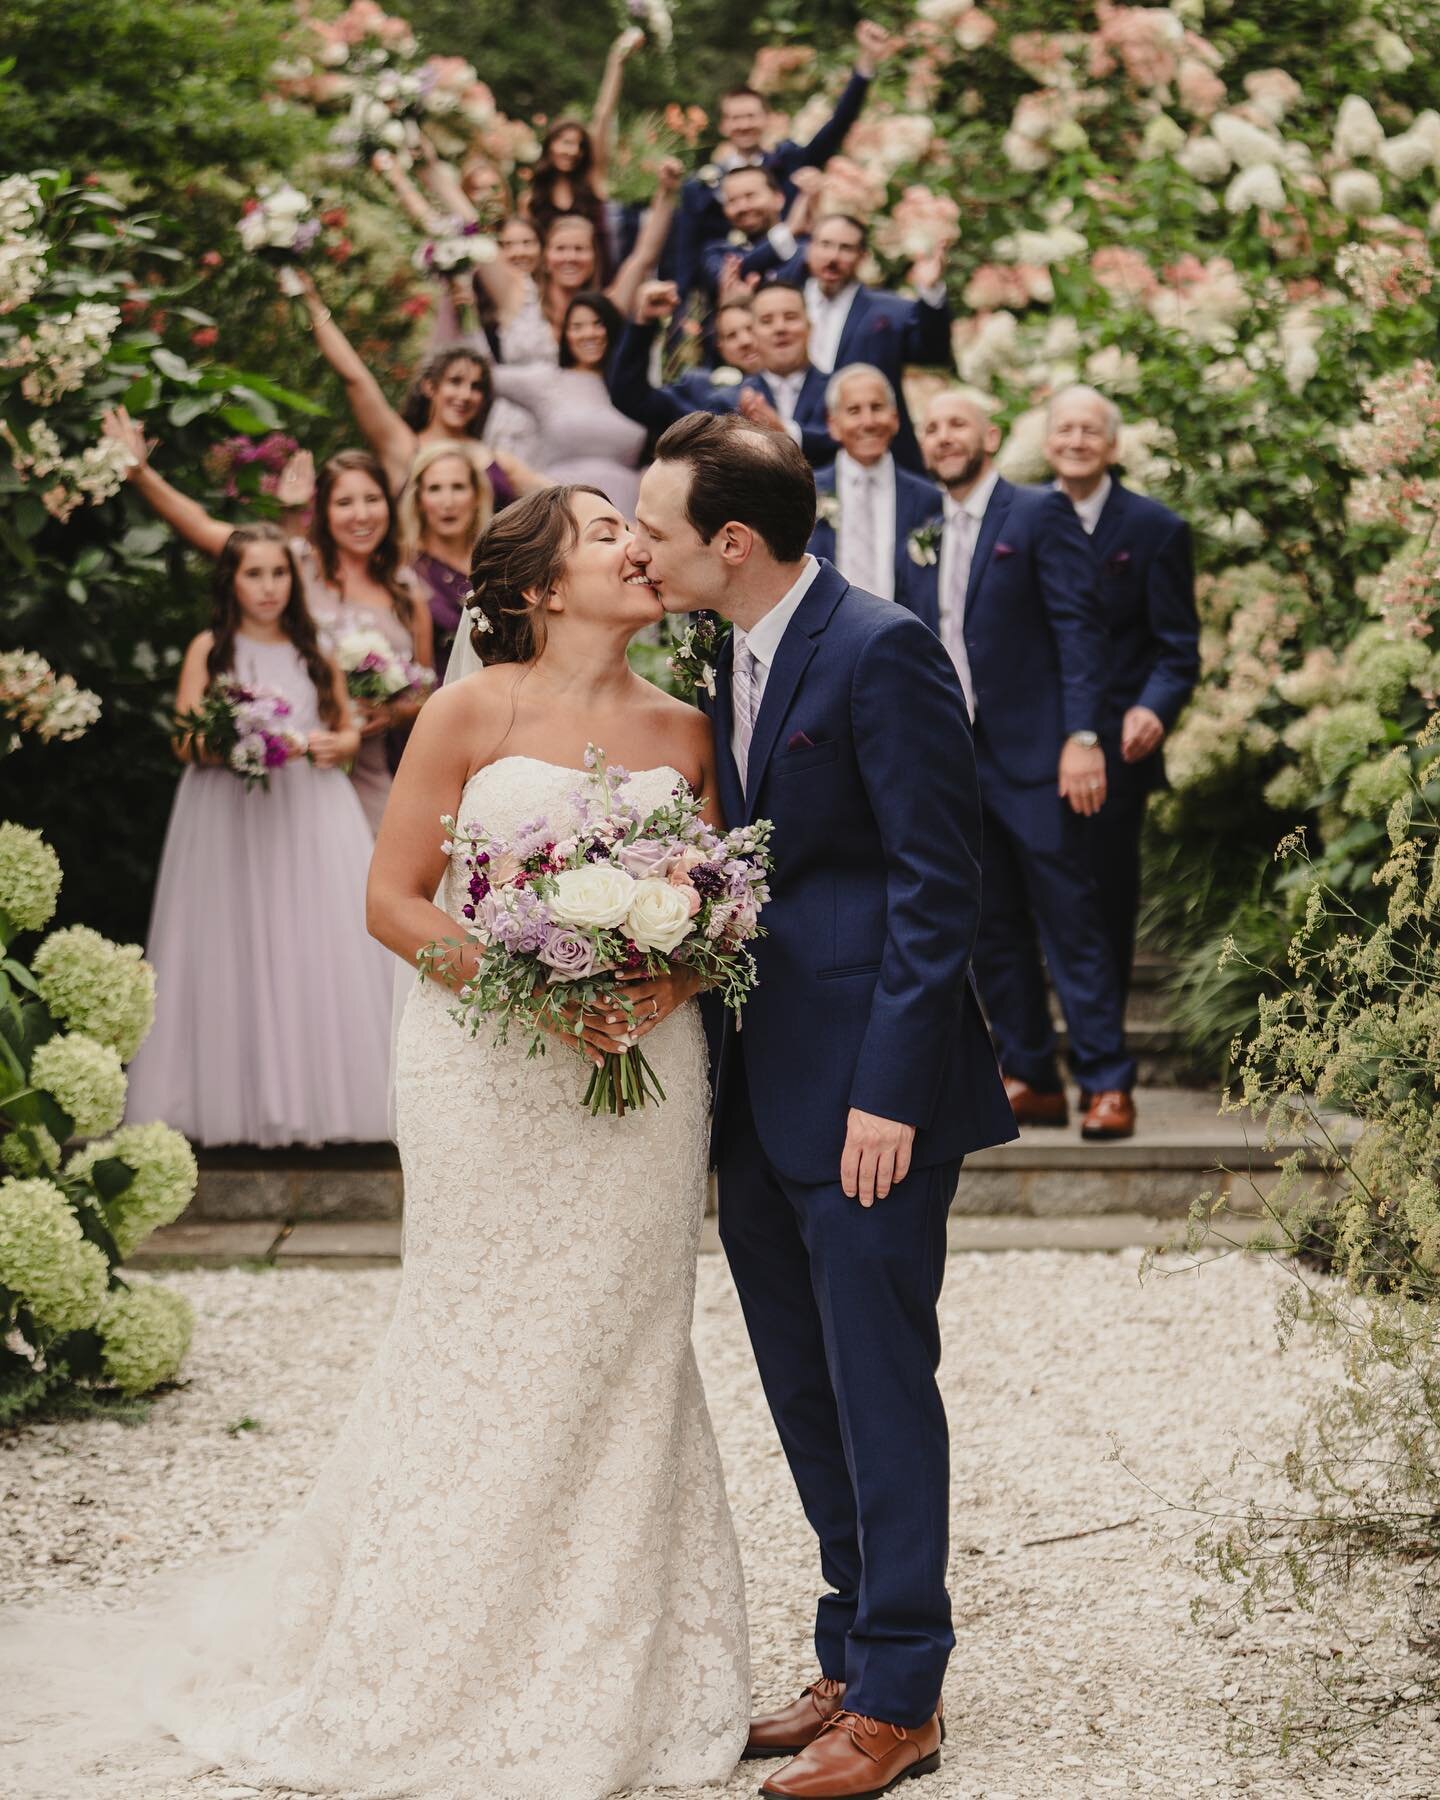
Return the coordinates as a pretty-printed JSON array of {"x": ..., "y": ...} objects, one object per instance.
[
  {"x": 1182, "y": 1148},
  {"x": 333, "y": 1243}
]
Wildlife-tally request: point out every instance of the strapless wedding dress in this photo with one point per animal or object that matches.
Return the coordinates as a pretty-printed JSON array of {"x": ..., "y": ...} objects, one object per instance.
[{"x": 517, "y": 1577}]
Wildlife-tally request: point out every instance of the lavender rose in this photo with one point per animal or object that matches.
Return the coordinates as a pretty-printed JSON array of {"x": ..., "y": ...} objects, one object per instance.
[
  {"x": 645, "y": 858},
  {"x": 568, "y": 953}
]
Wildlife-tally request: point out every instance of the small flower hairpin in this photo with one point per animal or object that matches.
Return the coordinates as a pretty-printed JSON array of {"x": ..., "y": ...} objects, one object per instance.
[{"x": 482, "y": 623}]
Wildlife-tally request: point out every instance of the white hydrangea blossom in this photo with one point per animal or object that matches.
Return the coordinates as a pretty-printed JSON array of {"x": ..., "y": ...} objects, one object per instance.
[
  {"x": 64, "y": 349},
  {"x": 1246, "y": 144},
  {"x": 1258, "y": 185},
  {"x": 1355, "y": 192},
  {"x": 1205, "y": 158},
  {"x": 1414, "y": 150},
  {"x": 1357, "y": 130}
]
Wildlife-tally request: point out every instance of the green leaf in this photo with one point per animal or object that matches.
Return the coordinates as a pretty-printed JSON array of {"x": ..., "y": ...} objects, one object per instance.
[
  {"x": 191, "y": 407},
  {"x": 142, "y": 393},
  {"x": 168, "y": 363},
  {"x": 111, "y": 1176},
  {"x": 262, "y": 407},
  {"x": 243, "y": 418}
]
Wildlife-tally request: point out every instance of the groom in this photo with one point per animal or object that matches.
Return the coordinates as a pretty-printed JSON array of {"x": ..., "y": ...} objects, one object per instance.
[{"x": 862, "y": 1077}]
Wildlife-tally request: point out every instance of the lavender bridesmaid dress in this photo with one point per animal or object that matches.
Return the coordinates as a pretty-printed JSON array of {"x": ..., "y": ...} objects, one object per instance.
[{"x": 273, "y": 1003}]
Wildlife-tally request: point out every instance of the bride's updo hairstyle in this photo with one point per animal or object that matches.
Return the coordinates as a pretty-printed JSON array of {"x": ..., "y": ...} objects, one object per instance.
[{"x": 522, "y": 550}]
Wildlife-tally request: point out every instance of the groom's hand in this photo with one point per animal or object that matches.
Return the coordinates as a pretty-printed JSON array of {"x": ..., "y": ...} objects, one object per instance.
[{"x": 876, "y": 1156}]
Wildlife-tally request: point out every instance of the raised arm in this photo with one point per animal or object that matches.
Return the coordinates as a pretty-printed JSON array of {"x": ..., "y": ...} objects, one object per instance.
[
  {"x": 631, "y": 390},
  {"x": 644, "y": 258},
  {"x": 388, "y": 435},
  {"x": 607, "y": 101},
  {"x": 187, "y": 518},
  {"x": 420, "y": 210},
  {"x": 874, "y": 45}
]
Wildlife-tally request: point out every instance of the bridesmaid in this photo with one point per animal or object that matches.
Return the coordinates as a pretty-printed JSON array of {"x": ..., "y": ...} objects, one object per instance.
[
  {"x": 448, "y": 503},
  {"x": 257, "y": 1039},
  {"x": 450, "y": 398},
  {"x": 349, "y": 569},
  {"x": 581, "y": 437}
]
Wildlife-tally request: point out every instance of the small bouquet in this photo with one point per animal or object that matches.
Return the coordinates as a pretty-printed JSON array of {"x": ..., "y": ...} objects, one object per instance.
[
  {"x": 459, "y": 249},
  {"x": 245, "y": 728},
  {"x": 375, "y": 672},
  {"x": 563, "y": 916},
  {"x": 279, "y": 224}
]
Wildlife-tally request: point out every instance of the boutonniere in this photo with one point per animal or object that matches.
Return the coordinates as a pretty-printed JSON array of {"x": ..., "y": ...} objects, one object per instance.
[
  {"x": 923, "y": 543},
  {"x": 1004, "y": 550},
  {"x": 1118, "y": 560},
  {"x": 827, "y": 510},
  {"x": 697, "y": 650},
  {"x": 737, "y": 240},
  {"x": 725, "y": 376},
  {"x": 709, "y": 173}
]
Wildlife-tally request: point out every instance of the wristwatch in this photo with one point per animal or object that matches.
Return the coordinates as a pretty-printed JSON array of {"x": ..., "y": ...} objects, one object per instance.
[{"x": 1087, "y": 740}]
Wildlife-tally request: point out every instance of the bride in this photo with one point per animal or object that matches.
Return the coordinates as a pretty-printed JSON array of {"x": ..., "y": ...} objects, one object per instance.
[{"x": 516, "y": 1578}]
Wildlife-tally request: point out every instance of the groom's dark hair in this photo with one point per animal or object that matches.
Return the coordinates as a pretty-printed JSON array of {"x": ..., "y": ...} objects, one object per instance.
[{"x": 742, "y": 473}]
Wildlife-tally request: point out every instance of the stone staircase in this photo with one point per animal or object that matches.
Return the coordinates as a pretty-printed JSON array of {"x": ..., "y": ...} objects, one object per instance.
[{"x": 1048, "y": 1187}]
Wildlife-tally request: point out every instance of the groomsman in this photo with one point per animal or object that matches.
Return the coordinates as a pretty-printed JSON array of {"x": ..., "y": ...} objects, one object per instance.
[
  {"x": 758, "y": 240},
  {"x": 869, "y": 509},
  {"x": 1019, "y": 613},
  {"x": 1147, "y": 592},
  {"x": 744, "y": 120},
  {"x": 698, "y": 390},
  {"x": 851, "y": 323},
  {"x": 788, "y": 392}
]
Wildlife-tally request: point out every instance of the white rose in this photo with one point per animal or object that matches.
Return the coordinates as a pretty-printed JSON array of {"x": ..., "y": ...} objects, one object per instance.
[
  {"x": 659, "y": 916},
  {"x": 286, "y": 203},
  {"x": 595, "y": 898}
]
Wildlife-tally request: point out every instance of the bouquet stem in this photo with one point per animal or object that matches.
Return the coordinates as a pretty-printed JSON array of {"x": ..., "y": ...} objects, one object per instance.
[{"x": 622, "y": 1084}]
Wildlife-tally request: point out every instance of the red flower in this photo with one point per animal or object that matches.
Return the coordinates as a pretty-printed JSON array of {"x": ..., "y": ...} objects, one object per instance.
[
  {"x": 250, "y": 206},
  {"x": 131, "y": 310},
  {"x": 340, "y": 251},
  {"x": 212, "y": 259},
  {"x": 205, "y": 338},
  {"x": 91, "y": 180},
  {"x": 417, "y": 307},
  {"x": 333, "y": 218}
]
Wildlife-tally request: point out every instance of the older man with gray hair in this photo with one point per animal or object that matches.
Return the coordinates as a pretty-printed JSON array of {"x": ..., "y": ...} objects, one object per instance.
[
  {"x": 869, "y": 509},
  {"x": 1147, "y": 593}
]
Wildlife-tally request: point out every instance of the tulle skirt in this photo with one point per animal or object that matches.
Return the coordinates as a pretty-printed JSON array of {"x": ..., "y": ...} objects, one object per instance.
[{"x": 272, "y": 1021}]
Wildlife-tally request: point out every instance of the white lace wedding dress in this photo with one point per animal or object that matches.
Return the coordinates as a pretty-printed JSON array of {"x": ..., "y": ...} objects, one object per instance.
[{"x": 516, "y": 1577}]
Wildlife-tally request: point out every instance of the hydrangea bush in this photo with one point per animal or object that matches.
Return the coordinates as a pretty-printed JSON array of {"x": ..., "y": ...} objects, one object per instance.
[
  {"x": 1343, "y": 1056},
  {"x": 70, "y": 1019}
]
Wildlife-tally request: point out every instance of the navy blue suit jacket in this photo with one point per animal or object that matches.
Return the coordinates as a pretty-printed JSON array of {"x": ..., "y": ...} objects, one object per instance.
[
  {"x": 657, "y": 408},
  {"x": 889, "y": 332},
  {"x": 1034, "y": 633},
  {"x": 861, "y": 756},
  {"x": 810, "y": 414},
  {"x": 1147, "y": 592},
  {"x": 916, "y": 503},
  {"x": 701, "y": 217}
]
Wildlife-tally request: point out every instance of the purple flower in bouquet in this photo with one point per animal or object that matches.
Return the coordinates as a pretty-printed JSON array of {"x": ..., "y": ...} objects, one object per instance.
[
  {"x": 644, "y": 857},
  {"x": 569, "y": 953}
]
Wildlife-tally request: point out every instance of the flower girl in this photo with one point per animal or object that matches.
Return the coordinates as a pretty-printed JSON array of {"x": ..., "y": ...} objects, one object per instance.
[{"x": 272, "y": 1003}]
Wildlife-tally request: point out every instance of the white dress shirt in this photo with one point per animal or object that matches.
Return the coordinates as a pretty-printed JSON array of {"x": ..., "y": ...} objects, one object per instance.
[
  {"x": 827, "y": 322},
  {"x": 762, "y": 642},
  {"x": 786, "y": 389},
  {"x": 1089, "y": 509},
  {"x": 865, "y": 533},
  {"x": 963, "y": 519}
]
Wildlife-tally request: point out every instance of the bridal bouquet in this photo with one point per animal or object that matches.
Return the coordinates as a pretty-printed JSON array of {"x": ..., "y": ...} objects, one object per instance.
[
  {"x": 375, "y": 672},
  {"x": 460, "y": 249},
  {"x": 245, "y": 729},
  {"x": 562, "y": 916}
]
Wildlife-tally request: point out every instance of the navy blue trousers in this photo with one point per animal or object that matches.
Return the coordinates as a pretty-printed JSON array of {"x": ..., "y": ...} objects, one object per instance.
[
  {"x": 1114, "y": 839},
  {"x": 839, "y": 1301},
  {"x": 1038, "y": 891}
]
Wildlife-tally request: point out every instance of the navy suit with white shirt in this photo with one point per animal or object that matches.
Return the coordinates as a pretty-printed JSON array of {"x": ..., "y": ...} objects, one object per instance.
[
  {"x": 1027, "y": 633},
  {"x": 657, "y": 408},
  {"x": 701, "y": 220},
  {"x": 840, "y": 718},
  {"x": 1147, "y": 592},
  {"x": 911, "y": 504},
  {"x": 868, "y": 325},
  {"x": 800, "y": 401}
]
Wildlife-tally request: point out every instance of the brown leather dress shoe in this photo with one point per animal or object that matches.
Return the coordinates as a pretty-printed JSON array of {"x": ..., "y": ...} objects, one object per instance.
[
  {"x": 788, "y": 1732},
  {"x": 1032, "y": 1107},
  {"x": 855, "y": 1758},
  {"x": 1110, "y": 1115}
]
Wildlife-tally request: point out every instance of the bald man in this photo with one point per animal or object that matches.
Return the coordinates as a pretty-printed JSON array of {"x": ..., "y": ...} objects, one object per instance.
[
  {"x": 1015, "y": 603},
  {"x": 1147, "y": 592}
]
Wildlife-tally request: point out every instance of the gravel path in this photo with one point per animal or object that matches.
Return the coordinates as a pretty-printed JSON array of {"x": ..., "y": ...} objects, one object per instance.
[{"x": 1078, "y": 1673}]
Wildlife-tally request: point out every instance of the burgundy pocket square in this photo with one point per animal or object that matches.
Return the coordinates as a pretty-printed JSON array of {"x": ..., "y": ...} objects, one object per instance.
[
  {"x": 1118, "y": 560},
  {"x": 1004, "y": 550},
  {"x": 799, "y": 741}
]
